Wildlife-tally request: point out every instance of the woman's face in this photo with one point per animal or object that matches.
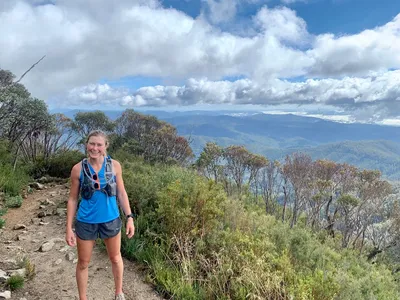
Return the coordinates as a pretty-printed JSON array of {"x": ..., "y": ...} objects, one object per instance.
[{"x": 96, "y": 146}]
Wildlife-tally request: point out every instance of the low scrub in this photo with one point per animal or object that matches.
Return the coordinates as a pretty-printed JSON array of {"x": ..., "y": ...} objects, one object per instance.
[
  {"x": 199, "y": 244},
  {"x": 15, "y": 282},
  {"x": 59, "y": 165},
  {"x": 13, "y": 201},
  {"x": 12, "y": 181}
]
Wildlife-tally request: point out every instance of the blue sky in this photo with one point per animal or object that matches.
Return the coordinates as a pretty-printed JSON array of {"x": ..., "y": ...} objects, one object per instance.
[
  {"x": 272, "y": 54},
  {"x": 321, "y": 16}
]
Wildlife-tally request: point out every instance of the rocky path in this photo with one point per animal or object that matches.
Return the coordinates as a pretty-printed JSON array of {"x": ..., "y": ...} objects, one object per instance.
[{"x": 35, "y": 231}]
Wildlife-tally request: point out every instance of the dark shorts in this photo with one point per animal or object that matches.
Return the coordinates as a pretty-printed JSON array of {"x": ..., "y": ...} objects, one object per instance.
[{"x": 88, "y": 231}]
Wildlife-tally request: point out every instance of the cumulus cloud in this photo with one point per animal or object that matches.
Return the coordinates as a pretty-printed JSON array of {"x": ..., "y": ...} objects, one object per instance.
[
  {"x": 372, "y": 97},
  {"x": 93, "y": 40},
  {"x": 85, "y": 43},
  {"x": 375, "y": 49},
  {"x": 222, "y": 11}
]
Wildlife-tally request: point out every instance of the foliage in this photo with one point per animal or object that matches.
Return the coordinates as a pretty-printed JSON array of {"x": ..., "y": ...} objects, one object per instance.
[
  {"x": 58, "y": 165},
  {"x": 2, "y": 223},
  {"x": 85, "y": 122},
  {"x": 154, "y": 140},
  {"x": 13, "y": 201},
  {"x": 12, "y": 182},
  {"x": 200, "y": 245},
  {"x": 15, "y": 282}
]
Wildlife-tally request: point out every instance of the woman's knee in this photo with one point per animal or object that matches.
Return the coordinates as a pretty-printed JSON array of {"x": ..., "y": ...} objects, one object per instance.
[
  {"x": 82, "y": 264},
  {"x": 115, "y": 258}
]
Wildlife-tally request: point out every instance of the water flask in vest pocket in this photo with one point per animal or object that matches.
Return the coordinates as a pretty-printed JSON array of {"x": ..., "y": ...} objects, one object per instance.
[
  {"x": 87, "y": 191},
  {"x": 111, "y": 189}
]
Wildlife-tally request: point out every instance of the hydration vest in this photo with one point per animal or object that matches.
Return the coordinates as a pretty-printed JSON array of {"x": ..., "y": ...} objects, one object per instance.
[{"x": 88, "y": 185}]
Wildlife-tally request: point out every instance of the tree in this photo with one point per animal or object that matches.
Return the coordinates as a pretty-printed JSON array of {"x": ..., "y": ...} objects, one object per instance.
[
  {"x": 85, "y": 122},
  {"x": 209, "y": 162},
  {"x": 270, "y": 185},
  {"x": 298, "y": 171},
  {"x": 237, "y": 162},
  {"x": 151, "y": 138}
]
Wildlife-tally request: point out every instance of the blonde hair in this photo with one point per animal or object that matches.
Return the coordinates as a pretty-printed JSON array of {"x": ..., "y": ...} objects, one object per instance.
[{"x": 101, "y": 133}]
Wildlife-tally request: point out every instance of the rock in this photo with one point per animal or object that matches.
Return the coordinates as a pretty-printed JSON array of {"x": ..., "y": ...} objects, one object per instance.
[
  {"x": 47, "y": 202},
  {"x": 58, "y": 261},
  {"x": 5, "y": 295},
  {"x": 43, "y": 179},
  {"x": 37, "y": 185},
  {"x": 20, "y": 272},
  {"x": 42, "y": 214},
  {"x": 3, "y": 276},
  {"x": 47, "y": 246},
  {"x": 19, "y": 227},
  {"x": 44, "y": 223},
  {"x": 64, "y": 249},
  {"x": 23, "y": 238},
  {"x": 7, "y": 242},
  {"x": 17, "y": 248},
  {"x": 70, "y": 256},
  {"x": 57, "y": 240},
  {"x": 75, "y": 261},
  {"x": 9, "y": 264},
  {"x": 42, "y": 206},
  {"x": 62, "y": 212},
  {"x": 35, "y": 221}
]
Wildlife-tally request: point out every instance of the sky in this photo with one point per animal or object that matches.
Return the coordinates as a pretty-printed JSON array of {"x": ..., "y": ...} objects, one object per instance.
[{"x": 338, "y": 59}]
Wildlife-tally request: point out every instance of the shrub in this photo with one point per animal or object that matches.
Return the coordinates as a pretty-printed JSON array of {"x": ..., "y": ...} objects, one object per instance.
[
  {"x": 12, "y": 182},
  {"x": 61, "y": 164},
  {"x": 200, "y": 245},
  {"x": 58, "y": 165},
  {"x": 15, "y": 282},
  {"x": 13, "y": 201},
  {"x": 2, "y": 223}
]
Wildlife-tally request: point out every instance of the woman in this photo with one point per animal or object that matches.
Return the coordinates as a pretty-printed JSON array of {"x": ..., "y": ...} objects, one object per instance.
[{"x": 99, "y": 181}]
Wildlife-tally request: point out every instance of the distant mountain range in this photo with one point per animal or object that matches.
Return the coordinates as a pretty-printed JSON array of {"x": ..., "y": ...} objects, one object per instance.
[{"x": 363, "y": 145}]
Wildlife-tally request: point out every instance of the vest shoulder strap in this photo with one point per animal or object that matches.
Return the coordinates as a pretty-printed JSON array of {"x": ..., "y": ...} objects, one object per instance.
[{"x": 109, "y": 171}]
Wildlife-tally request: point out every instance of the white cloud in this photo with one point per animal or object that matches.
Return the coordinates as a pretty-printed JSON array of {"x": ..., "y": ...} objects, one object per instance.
[
  {"x": 88, "y": 41},
  {"x": 283, "y": 24},
  {"x": 376, "y": 49},
  {"x": 374, "y": 95},
  {"x": 221, "y": 11}
]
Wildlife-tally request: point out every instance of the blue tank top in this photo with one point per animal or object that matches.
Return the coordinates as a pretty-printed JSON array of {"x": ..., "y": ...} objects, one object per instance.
[{"x": 100, "y": 208}]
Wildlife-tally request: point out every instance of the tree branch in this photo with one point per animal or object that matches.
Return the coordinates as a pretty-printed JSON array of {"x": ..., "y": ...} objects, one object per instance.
[{"x": 26, "y": 72}]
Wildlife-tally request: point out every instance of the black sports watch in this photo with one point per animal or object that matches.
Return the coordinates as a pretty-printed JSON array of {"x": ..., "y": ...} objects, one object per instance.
[{"x": 131, "y": 215}]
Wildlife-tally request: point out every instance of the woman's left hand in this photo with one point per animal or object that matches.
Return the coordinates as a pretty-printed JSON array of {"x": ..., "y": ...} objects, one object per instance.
[{"x": 130, "y": 228}]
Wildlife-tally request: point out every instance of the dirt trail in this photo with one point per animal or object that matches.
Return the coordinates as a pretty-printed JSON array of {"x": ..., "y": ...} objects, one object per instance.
[{"x": 43, "y": 214}]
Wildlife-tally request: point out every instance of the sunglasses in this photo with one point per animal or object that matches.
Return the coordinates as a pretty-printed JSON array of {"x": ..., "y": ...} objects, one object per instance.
[{"x": 96, "y": 184}]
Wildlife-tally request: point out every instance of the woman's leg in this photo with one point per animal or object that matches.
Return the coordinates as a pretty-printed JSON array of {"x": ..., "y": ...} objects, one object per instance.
[
  {"x": 113, "y": 246},
  {"x": 85, "y": 248}
]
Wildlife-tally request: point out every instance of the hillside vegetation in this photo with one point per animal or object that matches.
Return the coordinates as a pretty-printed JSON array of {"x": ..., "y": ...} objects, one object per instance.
[{"x": 230, "y": 224}]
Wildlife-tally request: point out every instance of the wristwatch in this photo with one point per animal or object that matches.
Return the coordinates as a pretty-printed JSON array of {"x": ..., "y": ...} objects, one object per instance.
[{"x": 131, "y": 215}]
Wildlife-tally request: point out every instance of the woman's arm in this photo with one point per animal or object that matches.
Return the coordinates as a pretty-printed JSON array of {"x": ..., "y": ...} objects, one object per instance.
[
  {"x": 72, "y": 204},
  {"x": 123, "y": 198}
]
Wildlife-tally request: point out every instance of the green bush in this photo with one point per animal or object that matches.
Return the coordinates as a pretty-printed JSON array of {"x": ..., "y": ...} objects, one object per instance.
[
  {"x": 12, "y": 181},
  {"x": 58, "y": 165},
  {"x": 15, "y": 282},
  {"x": 198, "y": 244},
  {"x": 2, "y": 223},
  {"x": 13, "y": 201}
]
